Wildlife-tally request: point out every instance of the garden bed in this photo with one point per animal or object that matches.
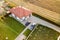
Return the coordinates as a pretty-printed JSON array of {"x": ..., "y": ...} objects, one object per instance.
[{"x": 44, "y": 33}]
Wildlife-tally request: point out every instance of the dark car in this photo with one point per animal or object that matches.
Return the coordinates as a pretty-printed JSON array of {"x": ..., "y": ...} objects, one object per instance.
[{"x": 27, "y": 23}]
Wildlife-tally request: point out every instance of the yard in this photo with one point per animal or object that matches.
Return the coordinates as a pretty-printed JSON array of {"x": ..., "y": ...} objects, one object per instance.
[
  {"x": 44, "y": 33},
  {"x": 10, "y": 28},
  {"x": 27, "y": 32}
]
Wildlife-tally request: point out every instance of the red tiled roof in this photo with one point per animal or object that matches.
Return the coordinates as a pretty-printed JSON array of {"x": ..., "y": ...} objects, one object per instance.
[{"x": 20, "y": 12}]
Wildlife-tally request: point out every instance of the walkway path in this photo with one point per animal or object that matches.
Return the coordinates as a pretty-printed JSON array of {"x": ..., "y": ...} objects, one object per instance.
[
  {"x": 34, "y": 19},
  {"x": 21, "y": 34}
]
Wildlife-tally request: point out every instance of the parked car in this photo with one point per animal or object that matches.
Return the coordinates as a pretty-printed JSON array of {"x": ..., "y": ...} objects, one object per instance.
[
  {"x": 32, "y": 26},
  {"x": 27, "y": 23}
]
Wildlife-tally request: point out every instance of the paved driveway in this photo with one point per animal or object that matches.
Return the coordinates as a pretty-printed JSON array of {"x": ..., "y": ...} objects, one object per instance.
[{"x": 43, "y": 22}]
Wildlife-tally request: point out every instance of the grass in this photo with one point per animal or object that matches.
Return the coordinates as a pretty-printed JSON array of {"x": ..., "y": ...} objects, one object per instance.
[
  {"x": 6, "y": 32},
  {"x": 44, "y": 33},
  {"x": 14, "y": 24},
  {"x": 10, "y": 28},
  {"x": 27, "y": 32}
]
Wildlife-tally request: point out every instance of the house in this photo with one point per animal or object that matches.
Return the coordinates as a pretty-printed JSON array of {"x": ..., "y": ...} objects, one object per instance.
[
  {"x": 20, "y": 13},
  {"x": 1, "y": 9}
]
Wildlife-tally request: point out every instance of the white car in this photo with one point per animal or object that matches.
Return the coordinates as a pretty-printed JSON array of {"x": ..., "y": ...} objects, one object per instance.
[{"x": 32, "y": 26}]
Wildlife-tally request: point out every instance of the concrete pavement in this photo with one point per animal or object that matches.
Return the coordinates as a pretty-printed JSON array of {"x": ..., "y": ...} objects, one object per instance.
[{"x": 43, "y": 22}]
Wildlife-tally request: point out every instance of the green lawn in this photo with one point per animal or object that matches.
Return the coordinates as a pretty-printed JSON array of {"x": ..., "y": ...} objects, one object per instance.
[
  {"x": 10, "y": 28},
  {"x": 27, "y": 32},
  {"x": 44, "y": 33}
]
